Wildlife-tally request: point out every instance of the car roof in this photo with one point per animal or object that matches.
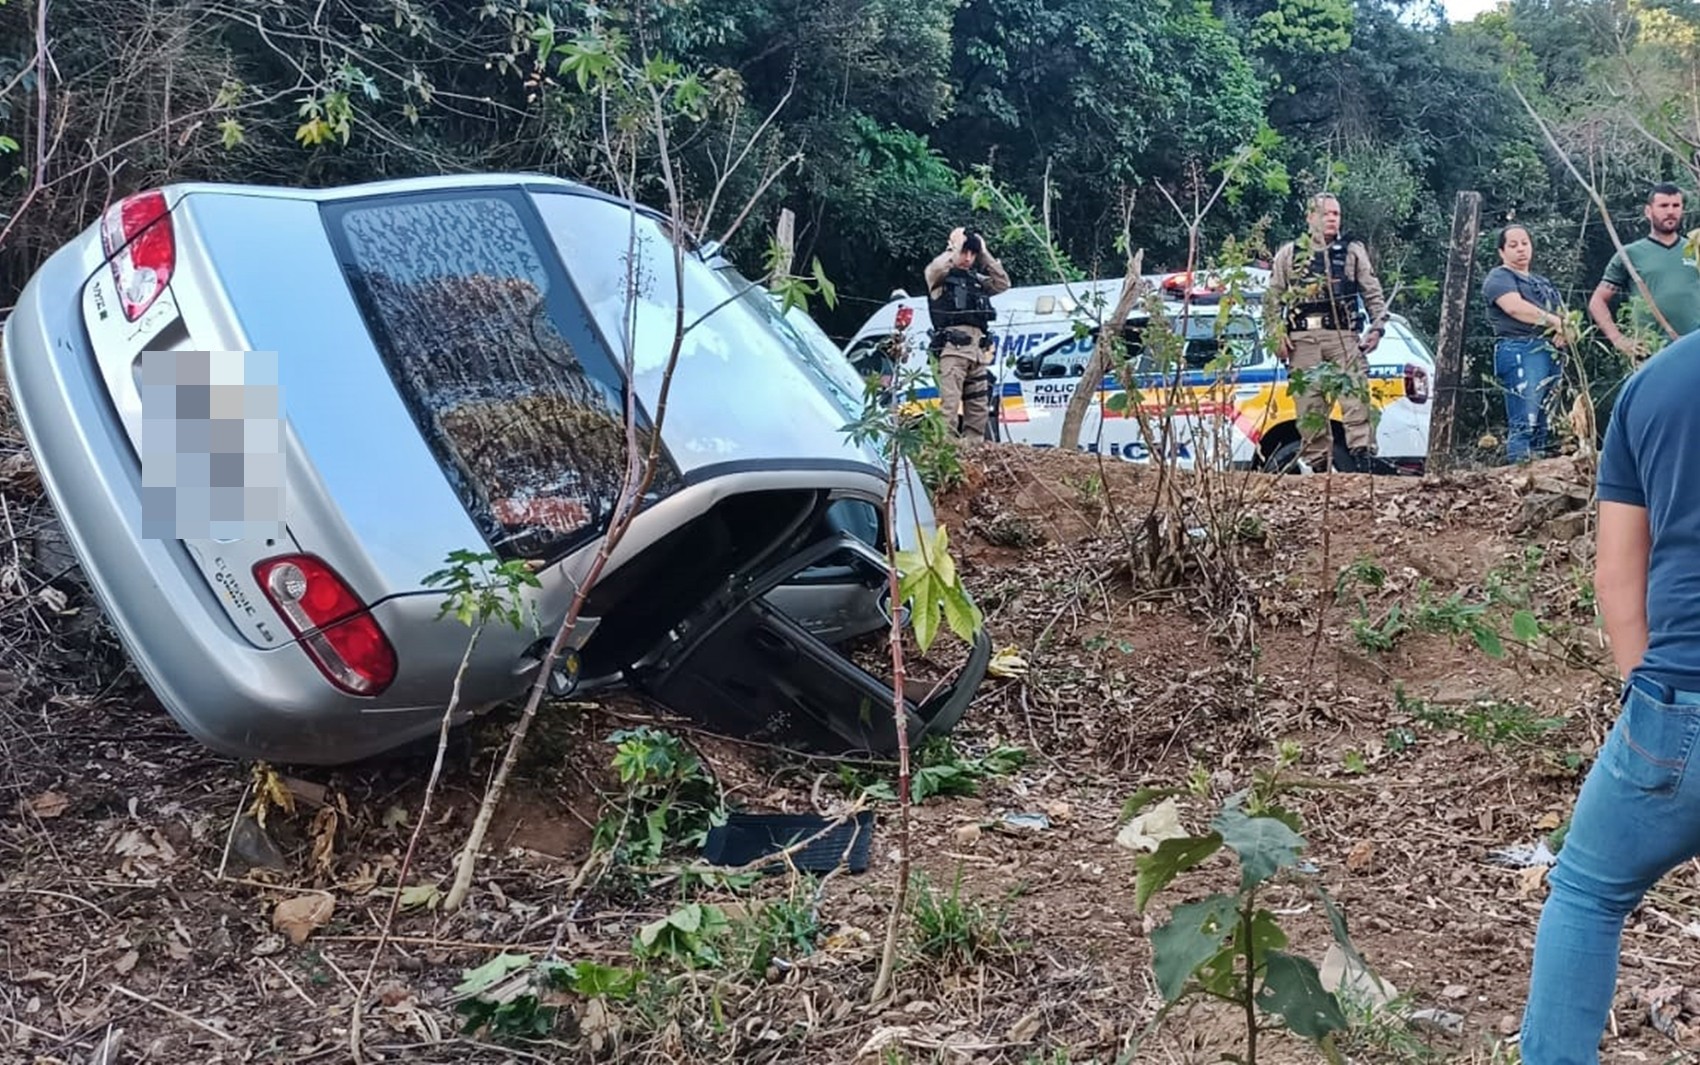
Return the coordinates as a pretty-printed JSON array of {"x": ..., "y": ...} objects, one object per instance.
[
  {"x": 527, "y": 182},
  {"x": 1058, "y": 301}
]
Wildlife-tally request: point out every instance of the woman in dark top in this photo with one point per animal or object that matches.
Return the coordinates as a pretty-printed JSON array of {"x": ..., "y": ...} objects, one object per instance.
[{"x": 1529, "y": 326}]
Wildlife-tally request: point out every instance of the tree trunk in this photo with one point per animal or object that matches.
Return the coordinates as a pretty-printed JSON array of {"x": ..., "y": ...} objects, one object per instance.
[{"x": 1086, "y": 390}]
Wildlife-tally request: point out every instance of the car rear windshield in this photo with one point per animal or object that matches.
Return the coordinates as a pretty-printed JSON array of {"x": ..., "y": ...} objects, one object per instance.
[{"x": 493, "y": 353}]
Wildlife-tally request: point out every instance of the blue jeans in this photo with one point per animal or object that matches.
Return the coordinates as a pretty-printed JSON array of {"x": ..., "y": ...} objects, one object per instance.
[
  {"x": 1637, "y": 818},
  {"x": 1528, "y": 369}
]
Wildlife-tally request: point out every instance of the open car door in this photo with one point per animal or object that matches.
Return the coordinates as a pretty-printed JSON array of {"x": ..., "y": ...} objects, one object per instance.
[{"x": 742, "y": 666}]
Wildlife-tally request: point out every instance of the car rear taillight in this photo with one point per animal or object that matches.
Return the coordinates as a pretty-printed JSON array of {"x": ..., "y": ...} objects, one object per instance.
[
  {"x": 334, "y": 626},
  {"x": 1416, "y": 383},
  {"x": 136, "y": 235}
]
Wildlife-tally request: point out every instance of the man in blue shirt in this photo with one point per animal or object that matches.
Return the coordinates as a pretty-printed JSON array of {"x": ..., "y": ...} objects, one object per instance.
[{"x": 1638, "y": 815}]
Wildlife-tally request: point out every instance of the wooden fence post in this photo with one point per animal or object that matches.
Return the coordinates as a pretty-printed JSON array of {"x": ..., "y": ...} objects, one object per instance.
[{"x": 1454, "y": 316}]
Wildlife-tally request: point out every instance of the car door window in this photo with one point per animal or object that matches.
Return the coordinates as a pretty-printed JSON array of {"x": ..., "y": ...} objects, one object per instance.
[
  {"x": 1068, "y": 358},
  {"x": 1210, "y": 337}
]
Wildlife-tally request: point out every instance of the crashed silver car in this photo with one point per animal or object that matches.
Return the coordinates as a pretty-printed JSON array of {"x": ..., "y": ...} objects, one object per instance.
[{"x": 265, "y": 415}]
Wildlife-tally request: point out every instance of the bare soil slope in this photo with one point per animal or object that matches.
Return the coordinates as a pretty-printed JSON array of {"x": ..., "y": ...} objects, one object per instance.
[{"x": 132, "y": 897}]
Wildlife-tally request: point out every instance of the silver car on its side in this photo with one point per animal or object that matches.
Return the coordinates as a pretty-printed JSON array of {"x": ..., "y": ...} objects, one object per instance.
[{"x": 454, "y": 358}]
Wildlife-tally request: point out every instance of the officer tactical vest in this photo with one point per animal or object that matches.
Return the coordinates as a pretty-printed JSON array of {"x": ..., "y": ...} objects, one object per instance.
[
  {"x": 1329, "y": 297},
  {"x": 961, "y": 301}
]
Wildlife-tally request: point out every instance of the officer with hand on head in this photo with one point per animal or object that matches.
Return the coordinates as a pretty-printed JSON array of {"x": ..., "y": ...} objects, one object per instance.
[{"x": 960, "y": 285}]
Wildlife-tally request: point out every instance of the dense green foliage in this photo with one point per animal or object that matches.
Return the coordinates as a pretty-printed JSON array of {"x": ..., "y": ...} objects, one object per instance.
[{"x": 869, "y": 115}]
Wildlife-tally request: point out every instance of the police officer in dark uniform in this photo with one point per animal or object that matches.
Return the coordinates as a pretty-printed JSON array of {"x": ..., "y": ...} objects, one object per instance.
[
  {"x": 960, "y": 285},
  {"x": 1312, "y": 305}
]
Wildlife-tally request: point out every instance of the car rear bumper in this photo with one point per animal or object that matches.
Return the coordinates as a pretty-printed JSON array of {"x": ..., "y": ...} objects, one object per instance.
[{"x": 236, "y": 698}]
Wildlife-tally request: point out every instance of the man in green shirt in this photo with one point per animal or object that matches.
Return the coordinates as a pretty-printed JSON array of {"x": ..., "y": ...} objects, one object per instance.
[{"x": 1667, "y": 272}]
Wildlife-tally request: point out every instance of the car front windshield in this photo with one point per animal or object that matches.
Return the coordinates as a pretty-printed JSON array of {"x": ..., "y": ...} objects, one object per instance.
[{"x": 747, "y": 387}]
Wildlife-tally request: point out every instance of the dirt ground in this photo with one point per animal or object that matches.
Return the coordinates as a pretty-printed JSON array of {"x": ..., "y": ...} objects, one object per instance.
[{"x": 133, "y": 898}]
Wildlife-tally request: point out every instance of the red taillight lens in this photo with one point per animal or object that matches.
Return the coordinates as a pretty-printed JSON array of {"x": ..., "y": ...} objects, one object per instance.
[
  {"x": 905, "y": 317},
  {"x": 340, "y": 636},
  {"x": 1416, "y": 383},
  {"x": 136, "y": 235}
]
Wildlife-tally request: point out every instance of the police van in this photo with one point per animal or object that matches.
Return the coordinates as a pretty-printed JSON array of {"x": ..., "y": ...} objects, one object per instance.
[
  {"x": 1226, "y": 402},
  {"x": 1027, "y": 318}
]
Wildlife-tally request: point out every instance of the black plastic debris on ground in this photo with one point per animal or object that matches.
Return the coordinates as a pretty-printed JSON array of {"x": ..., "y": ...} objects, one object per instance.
[{"x": 747, "y": 837}]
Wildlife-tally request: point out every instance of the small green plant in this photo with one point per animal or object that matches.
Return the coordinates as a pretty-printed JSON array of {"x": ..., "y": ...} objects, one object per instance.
[
  {"x": 1582, "y": 585},
  {"x": 859, "y": 782},
  {"x": 1353, "y": 763},
  {"x": 1089, "y": 489},
  {"x": 940, "y": 769},
  {"x": 1379, "y": 635},
  {"x": 502, "y": 998},
  {"x": 1399, "y": 739},
  {"x": 937, "y": 458},
  {"x": 1102, "y": 642},
  {"x": 1380, "y": 1032},
  {"x": 691, "y": 936},
  {"x": 1456, "y": 616},
  {"x": 1364, "y": 572},
  {"x": 779, "y": 928},
  {"x": 1493, "y": 723},
  {"x": 944, "y": 770},
  {"x": 1512, "y": 584},
  {"x": 479, "y": 587},
  {"x": 670, "y": 801},
  {"x": 951, "y": 929},
  {"x": 1227, "y": 946},
  {"x": 1490, "y": 722}
]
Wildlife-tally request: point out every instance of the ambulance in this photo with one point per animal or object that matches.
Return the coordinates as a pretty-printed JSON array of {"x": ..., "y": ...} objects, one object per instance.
[{"x": 1226, "y": 401}]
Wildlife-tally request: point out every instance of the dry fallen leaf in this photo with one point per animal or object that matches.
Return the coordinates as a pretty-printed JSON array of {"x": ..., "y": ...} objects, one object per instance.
[
  {"x": 140, "y": 848},
  {"x": 1361, "y": 857},
  {"x": 126, "y": 962},
  {"x": 268, "y": 946},
  {"x": 269, "y": 791},
  {"x": 54, "y": 600},
  {"x": 300, "y": 916},
  {"x": 48, "y": 804},
  {"x": 1023, "y": 1030},
  {"x": 1529, "y": 880},
  {"x": 427, "y": 895},
  {"x": 1007, "y": 664},
  {"x": 323, "y": 833}
]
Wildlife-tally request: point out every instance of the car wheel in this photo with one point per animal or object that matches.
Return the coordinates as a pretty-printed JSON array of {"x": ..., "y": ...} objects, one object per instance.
[{"x": 1285, "y": 459}]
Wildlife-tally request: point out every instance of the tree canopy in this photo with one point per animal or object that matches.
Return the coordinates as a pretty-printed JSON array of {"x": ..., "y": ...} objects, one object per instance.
[{"x": 873, "y": 120}]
